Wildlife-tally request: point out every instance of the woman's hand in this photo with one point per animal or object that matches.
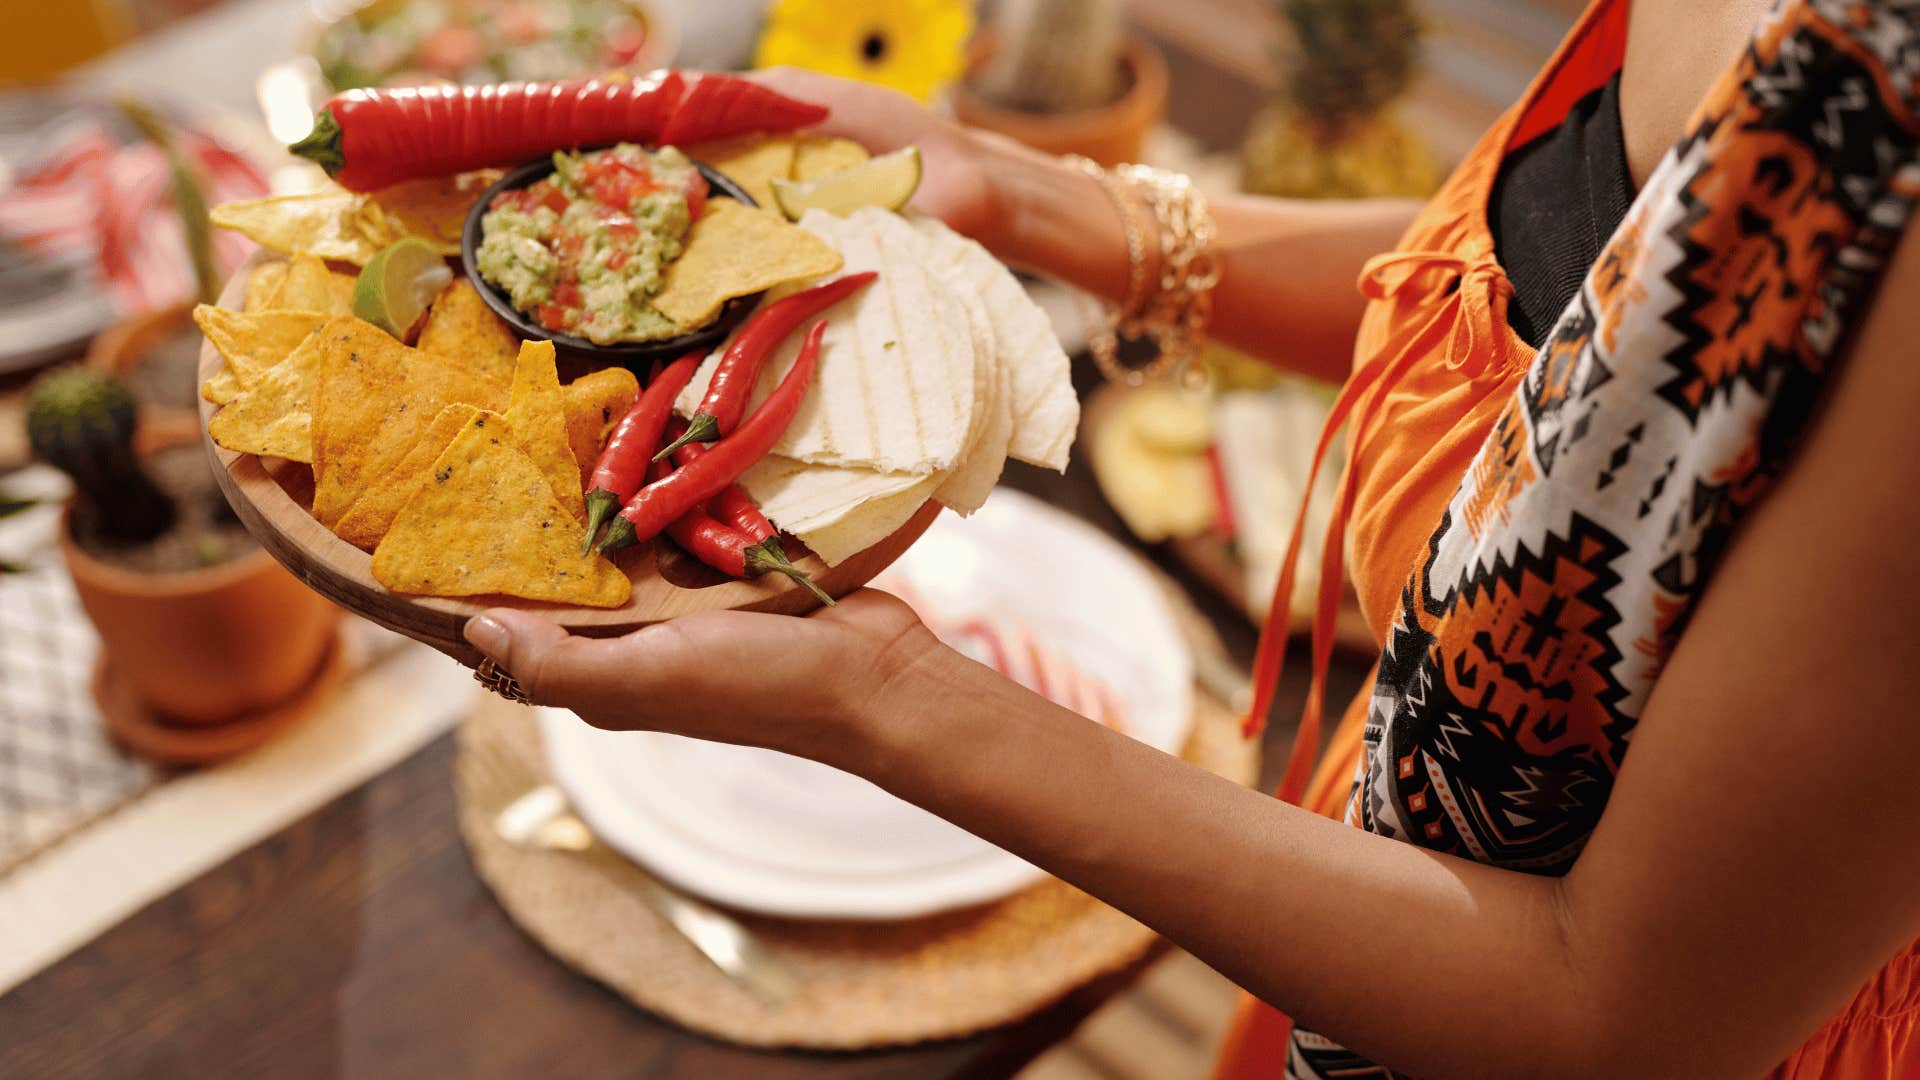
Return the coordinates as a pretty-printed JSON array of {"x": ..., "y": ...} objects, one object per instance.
[
  {"x": 802, "y": 686},
  {"x": 956, "y": 183}
]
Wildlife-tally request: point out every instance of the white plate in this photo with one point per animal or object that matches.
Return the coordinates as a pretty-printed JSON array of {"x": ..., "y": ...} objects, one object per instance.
[{"x": 767, "y": 832}]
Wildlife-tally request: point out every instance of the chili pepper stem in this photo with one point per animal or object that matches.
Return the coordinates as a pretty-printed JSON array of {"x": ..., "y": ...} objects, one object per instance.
[
  {"x": 600, "y": 503},
  {"x": 760, "y": 560},
  {"x": 619, "y": 534},
  {"x": 702, "y": 428},
  {"x": 322, "y": 145}
]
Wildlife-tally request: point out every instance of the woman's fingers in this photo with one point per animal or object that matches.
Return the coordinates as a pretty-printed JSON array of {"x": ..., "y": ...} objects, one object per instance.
[{"x": 557, "y": 668}]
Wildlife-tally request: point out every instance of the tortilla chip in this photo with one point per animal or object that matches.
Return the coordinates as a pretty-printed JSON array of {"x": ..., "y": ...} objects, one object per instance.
[
  {"x": 372, "y": 515},
  {"x": 734, "y": 250},
  {"x": 307, "y": 285},
  {"x": 750, "y": 161},
  {"x": 817, "y": 156},
  {"x": 262, "y": 283},
  {"x": 433, "y": 209},
  {"x": 373, "y": 400},
  {"x": 595, "y": 403},
  {"x": 220, "y": 389},
  {"x": 323, "y": 223},
  {"x": 462, "y": 327},
  {"x": 251, "y": 342},
  {"x": 274, "y": 416},
  {"x": 486, "y": 523},
  {"x": 537, "y": 412}
]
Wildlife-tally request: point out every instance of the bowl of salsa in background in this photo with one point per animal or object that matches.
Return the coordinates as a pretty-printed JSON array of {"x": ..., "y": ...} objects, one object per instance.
[
  {"x": 629, "y": 353},
  {"x": 402, "y": 42}
]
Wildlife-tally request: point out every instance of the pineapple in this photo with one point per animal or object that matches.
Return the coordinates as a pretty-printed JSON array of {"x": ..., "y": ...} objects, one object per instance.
[{"x": 1333, "y": 133}]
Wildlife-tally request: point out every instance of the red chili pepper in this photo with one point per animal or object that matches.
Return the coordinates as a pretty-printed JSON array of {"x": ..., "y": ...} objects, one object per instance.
[
  {"x": 723, "y": 546},
  {"x": 623, "y": 464},
  {"x": 734, "y": 506},
  {"x": 369, "y": 139},
  {"x": 658, "y": 504},
  {"x": 739, "y": 367}
]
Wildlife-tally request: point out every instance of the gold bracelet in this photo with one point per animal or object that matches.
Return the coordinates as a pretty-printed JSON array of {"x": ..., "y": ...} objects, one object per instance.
[{"x": 1176, "y": 316}]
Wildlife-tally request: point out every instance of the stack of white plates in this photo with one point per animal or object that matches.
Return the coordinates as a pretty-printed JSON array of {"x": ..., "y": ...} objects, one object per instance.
[{"x": 763, "y": 831}]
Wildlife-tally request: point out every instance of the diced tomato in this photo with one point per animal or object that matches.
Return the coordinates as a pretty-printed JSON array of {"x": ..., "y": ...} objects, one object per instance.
[
  {"x": 619, "y": 259},
  {"x": 567, "y": 292},
  {"x": 555, "y": 200},
  {"x": 696, "y": 195},
  {"x": 625, "y": 37},
  {"x": 551, "y": 316},
  {"x": 451, "y": 50}
]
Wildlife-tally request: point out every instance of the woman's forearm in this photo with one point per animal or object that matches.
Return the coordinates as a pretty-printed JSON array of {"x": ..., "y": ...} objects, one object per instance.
[
  {"x": 1306, "y": 912},
  {"x": 1288, "y": 267}
]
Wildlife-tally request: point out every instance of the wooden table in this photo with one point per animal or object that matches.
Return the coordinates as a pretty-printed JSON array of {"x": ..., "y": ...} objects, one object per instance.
[{"x": 359, "y": 941}]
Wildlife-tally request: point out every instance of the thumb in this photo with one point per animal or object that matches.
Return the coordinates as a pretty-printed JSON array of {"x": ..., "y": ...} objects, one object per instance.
[{"x": 552, "y": 666}]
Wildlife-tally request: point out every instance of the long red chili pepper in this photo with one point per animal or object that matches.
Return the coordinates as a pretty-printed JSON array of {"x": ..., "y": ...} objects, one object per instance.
[
  {"x": 658, "y": 504},
  {"x": 739, "y": 367},
  {"x": 369, "y": 139},
  {"x": 725, "y": 547},
  {"x": 623, "y": 464}
]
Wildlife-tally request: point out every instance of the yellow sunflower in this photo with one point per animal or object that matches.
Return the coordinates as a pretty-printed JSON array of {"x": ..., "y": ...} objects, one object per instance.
[{"x": 915, "y": 46}]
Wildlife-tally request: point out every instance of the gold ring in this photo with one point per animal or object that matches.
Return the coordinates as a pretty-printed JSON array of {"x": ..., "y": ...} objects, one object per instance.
[{"x": 495, "y": 678}]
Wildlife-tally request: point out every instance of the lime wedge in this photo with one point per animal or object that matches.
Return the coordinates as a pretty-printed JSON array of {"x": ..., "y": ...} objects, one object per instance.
[
  {"x": 886, "y": 181},
  {"x": 398, "y": 283}
]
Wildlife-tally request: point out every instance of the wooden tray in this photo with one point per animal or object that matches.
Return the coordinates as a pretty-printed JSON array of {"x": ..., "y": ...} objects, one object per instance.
[{"x": 272, "y": 497}]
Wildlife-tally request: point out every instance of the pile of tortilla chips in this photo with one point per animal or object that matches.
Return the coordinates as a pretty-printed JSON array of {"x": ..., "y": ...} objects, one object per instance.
[
  {"x": 349, "y": 227},
  {"x": 459, "y": 463}
]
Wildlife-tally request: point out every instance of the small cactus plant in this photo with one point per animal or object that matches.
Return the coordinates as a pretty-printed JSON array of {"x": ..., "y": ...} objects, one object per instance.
[
  {"x": 1054, "y": 56},
  {"x": 81, "y": 422}
]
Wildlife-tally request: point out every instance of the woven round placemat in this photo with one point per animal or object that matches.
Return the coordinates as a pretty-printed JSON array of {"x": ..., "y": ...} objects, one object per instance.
[{"x": 863, "y": 984}]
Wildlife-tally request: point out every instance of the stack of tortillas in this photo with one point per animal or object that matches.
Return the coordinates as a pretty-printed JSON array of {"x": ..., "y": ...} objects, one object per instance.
[{"x": 928, "y": 380}]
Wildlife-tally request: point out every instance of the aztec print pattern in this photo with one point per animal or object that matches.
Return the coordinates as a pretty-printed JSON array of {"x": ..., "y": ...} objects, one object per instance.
[{"x": 1667, "y": 399}]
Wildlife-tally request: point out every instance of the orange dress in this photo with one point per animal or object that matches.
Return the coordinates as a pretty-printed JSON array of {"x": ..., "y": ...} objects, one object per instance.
[{"x": 1516, "y": 519}]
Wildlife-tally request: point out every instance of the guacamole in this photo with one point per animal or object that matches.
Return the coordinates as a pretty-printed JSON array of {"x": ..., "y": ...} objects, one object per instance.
[{"x": 582, "y": 251}]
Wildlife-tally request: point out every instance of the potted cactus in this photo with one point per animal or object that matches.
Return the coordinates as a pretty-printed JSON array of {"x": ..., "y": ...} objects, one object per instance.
[
  {"x": 201, "y": 632},
  {"x": 1333, "y": 132},
  {"x": 1065, "y": 76}
]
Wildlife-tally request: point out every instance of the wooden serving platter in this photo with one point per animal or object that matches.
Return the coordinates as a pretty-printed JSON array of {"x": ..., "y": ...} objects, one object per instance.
[{"x": 272, "y": 498}]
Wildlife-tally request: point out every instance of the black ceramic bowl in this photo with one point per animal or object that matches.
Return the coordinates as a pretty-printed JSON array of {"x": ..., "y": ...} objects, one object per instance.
[{"x": 625, "y": 353}]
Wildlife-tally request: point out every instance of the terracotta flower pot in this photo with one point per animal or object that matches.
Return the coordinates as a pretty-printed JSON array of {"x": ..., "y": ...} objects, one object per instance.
[
  {"x": 1110, "y": 135},
  {"x": 121, "y": 348},
  {"x": 203, "y": 646}
]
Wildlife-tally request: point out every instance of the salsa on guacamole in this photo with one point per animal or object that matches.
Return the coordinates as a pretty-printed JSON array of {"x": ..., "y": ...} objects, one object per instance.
[{"x": 584, "y": 250}]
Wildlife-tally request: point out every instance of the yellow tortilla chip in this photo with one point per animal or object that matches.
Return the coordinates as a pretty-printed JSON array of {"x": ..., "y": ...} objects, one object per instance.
[
  {"x": 734, "y": 250},
  {"x": 263, "y": 282},
  {"x": 372, "y": 515},
  {"x": 816, "y": 156},
  {"x": 251, "y": 342},
  {"x": 462, "y": 327},
  {"x": 373, "y": 399},
  {"x": 220, "y": 389},
  {"x": 486, "y": 523},
  {"x": 323, "y": 223},
  {"x": 274, "y": 416},
  {"x": 537, "y": 413},
  {"x": 595, "y": 403},
  {"x": 307, "y": 285},
  {"x": 750, "y": 161},
  {"x": 433, "y": 209}
]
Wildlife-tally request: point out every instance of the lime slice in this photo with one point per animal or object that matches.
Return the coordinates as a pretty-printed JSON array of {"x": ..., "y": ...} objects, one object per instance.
[
  {"x": 398, "y": 283},
  {"x": 886, "y": 181}
]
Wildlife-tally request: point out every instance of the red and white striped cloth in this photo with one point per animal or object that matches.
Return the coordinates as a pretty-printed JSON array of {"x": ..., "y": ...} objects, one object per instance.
[
  {"x": 91, "y": 199},
  {"x": 1014, "y": 650}
]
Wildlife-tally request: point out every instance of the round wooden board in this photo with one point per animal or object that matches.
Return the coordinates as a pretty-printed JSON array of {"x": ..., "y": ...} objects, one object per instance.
[{"x": 272, "y": 496}]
